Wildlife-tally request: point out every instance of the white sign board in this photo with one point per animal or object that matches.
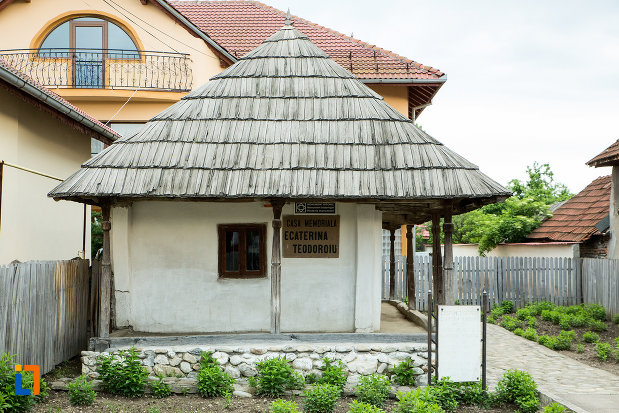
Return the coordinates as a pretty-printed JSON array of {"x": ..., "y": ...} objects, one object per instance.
[{"x": 459, "y": 342}]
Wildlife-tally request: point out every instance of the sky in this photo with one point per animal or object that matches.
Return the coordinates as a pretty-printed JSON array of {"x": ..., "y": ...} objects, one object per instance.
[{"x": 527, "y": 81}]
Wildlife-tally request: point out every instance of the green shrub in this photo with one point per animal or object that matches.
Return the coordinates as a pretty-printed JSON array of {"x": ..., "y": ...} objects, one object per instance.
[
  {"x": 554, "y": 408},
  {"x": 518, "y": 387},
  {"x": 160, "y": 389},
  {"x": 473, "y": 394},
  {"x": 523, "y": 314},
  {"x": 497, "y": 312},
  {"x": 603, "y": 350},
  {"x": 510, "y": 323},
  {"x": 491, "y": 320},
  {"x": 508, "y": 306},
  {"x": 420, "y": 400},
  {"x": 360, "y": 407},
  {"x": 555, "y": 316},
  {"x": 580, "y": 348},
  {"x": 578, "y": 321},
  {"x": 531, "y": 322},
  {"x": 333, "y": 372},
  {"x": 547, "y": 341},
  {"x": 212, "y": 380},
  {"x": 275, "y": 376},
  {"x": 312, "y": 378},
  {"x": 564, "y": 322},
  {"x": 547, "y": 315},
  {"x": 124, "y": 375},
  {"x": 446, "y": 393},
  {"x": 321, "y": 398},
  {"x": 590, "y": 337},
  {"x": 530, "y": 334},
  {"x": 596, "y": 312},
  {"x": 564, "y": 340},
  {"x": 537, "y": 308},
  {"x": 519, "y": 332},
  {"x": 283, "y": 406},
  {"x": 596, "y": 325},
  {"x": 616, "y": 319},
  {"x": 373, "y": 389},
  {"x": 9, "y": 401},
  {"x": 81, "y": 392},
  {"x": 403, "y": 373}
]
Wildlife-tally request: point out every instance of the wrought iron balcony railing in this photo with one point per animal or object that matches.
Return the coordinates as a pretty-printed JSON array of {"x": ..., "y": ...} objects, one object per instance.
[{"x": 103, "y": 69}]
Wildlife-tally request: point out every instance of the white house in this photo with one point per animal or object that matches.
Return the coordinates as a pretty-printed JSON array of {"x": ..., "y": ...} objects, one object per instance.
[{"x": 256, "y": 203}]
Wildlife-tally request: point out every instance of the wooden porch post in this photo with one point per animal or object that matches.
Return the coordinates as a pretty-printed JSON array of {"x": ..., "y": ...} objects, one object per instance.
[
  {"x": 106, "y": 275},
  {"x": 448, "y": 268},
  {"x": 392, "y": 265},
  {"x": 437, "y": 261},
  {"x": 410, "y": 267},
  {"x": 276, "y": 267}
]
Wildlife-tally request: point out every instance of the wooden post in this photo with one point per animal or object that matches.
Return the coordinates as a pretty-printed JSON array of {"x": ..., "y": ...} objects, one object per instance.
[
  {"x": 448, "y": 267},
  {"x": 106, "y": 275},
  {"x": 276, "y": 267},
  {"x": 392, "y": 265},
  {"x": 437, "y": 262},
  {"x": 410, "y": 267}
]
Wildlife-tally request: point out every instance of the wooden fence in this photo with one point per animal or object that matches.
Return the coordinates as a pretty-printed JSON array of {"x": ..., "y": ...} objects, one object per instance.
[
  {"x": 522, "y": 280},
  {"x": 43, "y": 311}
]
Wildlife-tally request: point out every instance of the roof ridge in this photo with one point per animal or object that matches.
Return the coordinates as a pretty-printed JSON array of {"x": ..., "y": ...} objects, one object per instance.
[{"x": 342, "y": 35}]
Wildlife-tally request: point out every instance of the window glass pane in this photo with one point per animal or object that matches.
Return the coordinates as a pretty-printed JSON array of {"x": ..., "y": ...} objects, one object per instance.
[
  {"x": 232, "y": 251},
  {"x": 119, "y": 39},
  {"x": 125, "y": 129},
  {"x": 88, "y": 19},
  {"x": 89, "y": 37},
  {"x": 252, "y": 241},
  {"x": 58, "y": 38}
]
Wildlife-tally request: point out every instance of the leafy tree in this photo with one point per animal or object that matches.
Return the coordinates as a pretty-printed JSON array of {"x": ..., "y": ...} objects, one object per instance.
[
  {"x": 96, "y": 233},
  {"x": 514, "y": 219}
]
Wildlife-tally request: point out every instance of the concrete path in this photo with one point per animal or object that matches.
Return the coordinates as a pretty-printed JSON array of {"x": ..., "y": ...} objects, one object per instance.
[
  {"x": 392, "y": 321},
  {"x": 580, "y": 387}
]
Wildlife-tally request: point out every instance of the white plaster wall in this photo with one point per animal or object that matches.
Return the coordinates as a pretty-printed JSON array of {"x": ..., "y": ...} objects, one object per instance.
[
  {"x": 33, "y": 226},
  {"x": 164, "y": 257},
  {"x": 569, "y": 250},
  {"x": 613, "y": 246}
]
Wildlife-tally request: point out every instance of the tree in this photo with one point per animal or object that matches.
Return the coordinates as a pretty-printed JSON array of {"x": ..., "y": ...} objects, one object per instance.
[{"x": 514, "y": 219}]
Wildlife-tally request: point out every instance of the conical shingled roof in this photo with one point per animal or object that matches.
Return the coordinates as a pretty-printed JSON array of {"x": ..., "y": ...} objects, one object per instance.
[{"x": 284, "y": 121}]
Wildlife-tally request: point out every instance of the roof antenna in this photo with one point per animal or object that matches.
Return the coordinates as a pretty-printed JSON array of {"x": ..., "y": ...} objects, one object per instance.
[{"x": 288, "y": 22}]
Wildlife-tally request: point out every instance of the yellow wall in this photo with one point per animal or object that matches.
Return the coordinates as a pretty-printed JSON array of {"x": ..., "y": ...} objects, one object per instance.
[
  {"x": 21, "y": 27},
  {"x": 395, "y": 95},
  {"x": 33, "y": 226}
]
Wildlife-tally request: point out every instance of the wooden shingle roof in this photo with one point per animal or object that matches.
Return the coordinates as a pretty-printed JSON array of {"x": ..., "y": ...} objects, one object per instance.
[
  {"x": 576, "y": 219},
  {"x": 285, "y": 121}
]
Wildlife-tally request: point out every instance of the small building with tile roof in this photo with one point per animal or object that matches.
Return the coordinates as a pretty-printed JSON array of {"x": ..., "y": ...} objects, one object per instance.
[
  {"x": 610, "y": 157},
  {"x": 256, "y": 203},
  {"x": 44, "y": 138},
  {"x": 583, "y": 219}
]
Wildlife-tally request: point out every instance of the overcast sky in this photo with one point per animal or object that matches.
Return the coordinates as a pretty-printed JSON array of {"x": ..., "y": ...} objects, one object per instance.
[{"x": 527, "y": 80}]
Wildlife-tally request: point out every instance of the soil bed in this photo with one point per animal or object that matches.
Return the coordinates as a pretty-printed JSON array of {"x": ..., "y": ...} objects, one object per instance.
[{"x": 59, "y": 402}]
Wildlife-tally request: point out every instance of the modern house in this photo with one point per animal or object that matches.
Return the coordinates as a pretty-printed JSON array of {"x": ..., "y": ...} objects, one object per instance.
[
  {"x": 43, "y": 139},
  {"x": 256, "y": 203},
  {"x": 582, "y": 219},
  {"x": 610, "y": 157}
]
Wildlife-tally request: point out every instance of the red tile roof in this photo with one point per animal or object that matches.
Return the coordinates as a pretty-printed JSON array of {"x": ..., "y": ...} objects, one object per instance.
[
  {"x": 575, "y": 220},
  {"x": 609, "y": 157},
  {"x": 240, "y": 26},
  {"x": 102, "y": 132}
]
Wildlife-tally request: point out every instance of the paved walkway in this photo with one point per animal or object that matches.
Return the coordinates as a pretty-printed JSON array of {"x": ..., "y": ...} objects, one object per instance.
[
  {"x": 583, "y": 388},
  {"x": 392, "y": 321}
]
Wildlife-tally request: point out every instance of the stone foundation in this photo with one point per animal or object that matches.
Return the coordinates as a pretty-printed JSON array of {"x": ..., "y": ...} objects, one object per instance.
[{"x": 180, "y": 364}]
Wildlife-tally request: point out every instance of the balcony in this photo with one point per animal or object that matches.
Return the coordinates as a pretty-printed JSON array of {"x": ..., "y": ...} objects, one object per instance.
[{"x": 103, "y": 69}]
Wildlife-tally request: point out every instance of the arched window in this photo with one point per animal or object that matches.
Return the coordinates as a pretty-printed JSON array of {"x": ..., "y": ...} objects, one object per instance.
[{"x": 89, "y": 42}]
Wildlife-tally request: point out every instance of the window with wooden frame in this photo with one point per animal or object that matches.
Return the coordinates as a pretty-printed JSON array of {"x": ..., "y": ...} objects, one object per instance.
[{"x": 242, "y": 250}]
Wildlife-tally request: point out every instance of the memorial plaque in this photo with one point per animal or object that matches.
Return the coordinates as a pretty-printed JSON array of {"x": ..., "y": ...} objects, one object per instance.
[
  {"x": 314, "y": 207},
  {"x": 311, "y": 236},
  {"x": 459, "y": 342}
]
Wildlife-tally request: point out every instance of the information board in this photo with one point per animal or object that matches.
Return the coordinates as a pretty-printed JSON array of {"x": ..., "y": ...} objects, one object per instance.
[
  {"x": 314, "y": 207},
  {"x": 311, "y": 236},
  {"x": 459, "y": 342}
]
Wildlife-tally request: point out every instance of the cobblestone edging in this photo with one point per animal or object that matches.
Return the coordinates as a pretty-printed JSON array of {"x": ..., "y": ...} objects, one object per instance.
[{"x": 180, "y": 365}]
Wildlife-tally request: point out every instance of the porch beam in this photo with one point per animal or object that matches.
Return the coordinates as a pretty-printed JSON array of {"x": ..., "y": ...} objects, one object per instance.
[
  {"x": 448, "y": 267},
  {"x": 392, "y": 264},
  {"x": 106, "y": 275},
  {"x": 437, "y": 261},
  {"x": 276, "y": 267},
  {"x": 410, "y": 267}
]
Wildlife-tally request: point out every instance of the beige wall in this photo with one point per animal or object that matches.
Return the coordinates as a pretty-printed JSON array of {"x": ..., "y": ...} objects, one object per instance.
[
  {"x": 33, "y": 226},
  {"x": 395, "y": 95},
  {"x": 568, "y": 250},
  {"x": 164, "y": 258},
  {"x": 20, "y": 24}
]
